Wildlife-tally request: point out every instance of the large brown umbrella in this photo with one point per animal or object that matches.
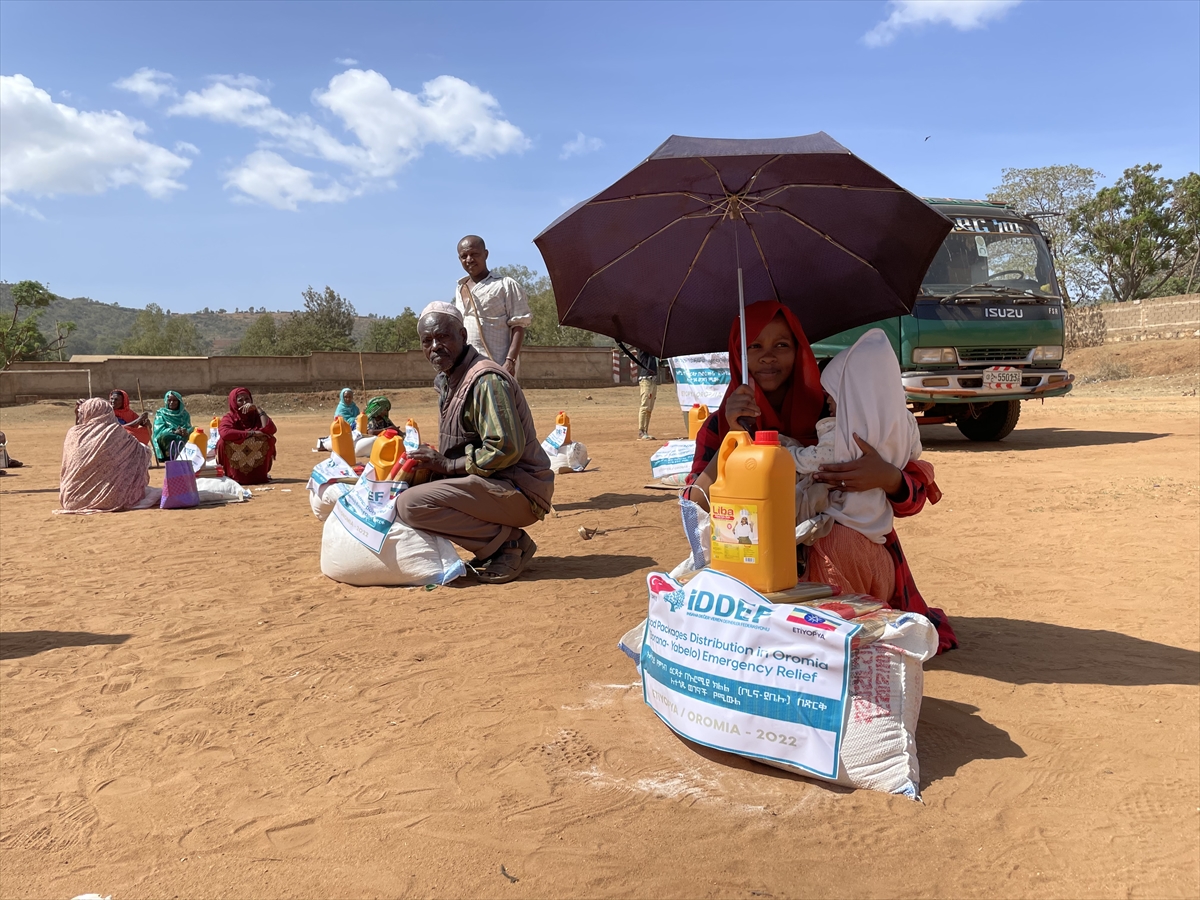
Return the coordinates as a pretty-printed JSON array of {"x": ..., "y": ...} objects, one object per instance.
[{"x": 658, "y": 259}]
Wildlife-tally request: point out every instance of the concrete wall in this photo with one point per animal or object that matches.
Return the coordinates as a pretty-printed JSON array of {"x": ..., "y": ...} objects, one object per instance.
[
  {"x": 1162, "y": 317},
  {"x": 550, "y": 367}
]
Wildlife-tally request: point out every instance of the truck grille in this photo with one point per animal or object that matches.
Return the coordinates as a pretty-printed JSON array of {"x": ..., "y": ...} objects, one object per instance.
[{"x": 993, "y": 354}]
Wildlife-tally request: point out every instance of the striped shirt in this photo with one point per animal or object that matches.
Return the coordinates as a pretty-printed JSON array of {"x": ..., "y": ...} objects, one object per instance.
[{"x": 499, "y": 304}]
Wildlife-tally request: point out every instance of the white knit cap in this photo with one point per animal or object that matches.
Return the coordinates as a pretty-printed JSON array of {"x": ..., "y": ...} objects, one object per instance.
[{"x": 441, "y": 308}]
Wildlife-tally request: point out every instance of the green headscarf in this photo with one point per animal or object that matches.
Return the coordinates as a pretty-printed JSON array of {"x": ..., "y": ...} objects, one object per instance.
[
  {"x": 378, "y": 406},
  {"x": 166, "y": 420}
]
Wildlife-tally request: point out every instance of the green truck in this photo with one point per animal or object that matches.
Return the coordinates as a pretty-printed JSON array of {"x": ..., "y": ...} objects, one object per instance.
[{"x": 986, "y": 332}]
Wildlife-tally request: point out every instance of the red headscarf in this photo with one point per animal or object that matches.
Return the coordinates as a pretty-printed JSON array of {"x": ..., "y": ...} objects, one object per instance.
[
  {"x": 235, "y": 419},
  {"x": 802, "y": 405},
  {"x": 123, "y": 412}
]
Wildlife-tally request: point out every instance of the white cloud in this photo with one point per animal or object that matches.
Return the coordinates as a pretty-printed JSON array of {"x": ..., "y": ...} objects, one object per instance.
[
  {"x": 964, "y": 15},
  {"x": 241, "y": 81},
  {"x": 392, "y": 126},
  {"x": 267, "y": 177},
  {"x": 346, "y": 61},
  {"x": 579, "y": 145},
  {"x": 149, "y": 84},
  {"x": 47, "y": 148},
  {"x": 185, "y": 147},
  {"x": 21, "y": 208},
  {"x": 249, "y": 108}
]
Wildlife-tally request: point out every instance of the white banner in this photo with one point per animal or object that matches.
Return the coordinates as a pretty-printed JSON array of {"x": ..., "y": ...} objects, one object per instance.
[
  {"x": 724, "y": 667},
  {"x": 672, "y": 458},
  {"x": 553, "y": 443},
  {"x": 368, "y": 510},
  {"x": 701, "y": 378}
]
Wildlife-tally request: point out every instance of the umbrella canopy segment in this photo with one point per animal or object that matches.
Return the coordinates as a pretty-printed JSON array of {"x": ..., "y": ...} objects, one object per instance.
[{"x": 653, "y": 260}]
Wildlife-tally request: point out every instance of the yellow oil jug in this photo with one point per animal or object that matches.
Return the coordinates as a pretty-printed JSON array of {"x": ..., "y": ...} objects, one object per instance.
[
  {"x": 696, "y": 417},
  {"x": 215, "y": 423},
  {"x": 753, "y": 504},
  {"x": 361, "y": 424},
  {"x": 385, "y": 453},
  {"x": 341, "y": 441},
  {"x": 199, "y": 440},
  {"x": 565, "y": 421}
]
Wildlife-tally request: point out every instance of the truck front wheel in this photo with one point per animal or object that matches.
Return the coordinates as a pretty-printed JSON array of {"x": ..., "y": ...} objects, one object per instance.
[{"x": 994, "y": 422}]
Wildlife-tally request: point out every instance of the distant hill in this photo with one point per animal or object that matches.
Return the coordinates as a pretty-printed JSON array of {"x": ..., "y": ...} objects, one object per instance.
[{"x": 102, "y": 326}]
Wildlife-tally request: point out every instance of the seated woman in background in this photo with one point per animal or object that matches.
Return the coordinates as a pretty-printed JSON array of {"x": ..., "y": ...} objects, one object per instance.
[
  {"x": 138, "y": 426},
  {"x": 785, "y": 395},
  {"x": 172, "y": 425},
  {"x": 246, "y": 442},
  {"x": 347, "y": 409},
  {"x": 104, "y": 467},
  {"x": 6, "y": 461},
  {"x": 378, "y": 410}
]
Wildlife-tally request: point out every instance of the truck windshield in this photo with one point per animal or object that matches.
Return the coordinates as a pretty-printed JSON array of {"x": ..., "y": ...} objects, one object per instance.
[{"x": 998, "y": 256}]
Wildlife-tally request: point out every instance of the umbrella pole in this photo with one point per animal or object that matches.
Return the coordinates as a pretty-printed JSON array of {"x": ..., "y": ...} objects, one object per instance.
[{"x": 742, "y": 322}]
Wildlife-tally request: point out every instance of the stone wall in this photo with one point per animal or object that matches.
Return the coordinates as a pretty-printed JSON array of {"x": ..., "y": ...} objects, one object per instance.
[
  {"x": 546, "y": 367},
  {"x": 1161, "y": 317},
  {"x": 1158, "y": 318}
]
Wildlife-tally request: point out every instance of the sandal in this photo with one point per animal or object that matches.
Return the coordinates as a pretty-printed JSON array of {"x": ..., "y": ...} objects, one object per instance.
[{"x": 507, "y": 563}]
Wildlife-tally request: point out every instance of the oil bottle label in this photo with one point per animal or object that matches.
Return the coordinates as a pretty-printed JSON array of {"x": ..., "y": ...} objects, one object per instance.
[{"x": 735, "y": 532}]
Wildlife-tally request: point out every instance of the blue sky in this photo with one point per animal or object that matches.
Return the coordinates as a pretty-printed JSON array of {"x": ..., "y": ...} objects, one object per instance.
[{"x": 230, "y": 154}]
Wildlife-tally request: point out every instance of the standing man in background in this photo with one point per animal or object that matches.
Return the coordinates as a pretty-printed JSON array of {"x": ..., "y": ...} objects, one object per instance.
[
  {"x": 647, "y": 376},
  {"x": 495, "y": 309}
]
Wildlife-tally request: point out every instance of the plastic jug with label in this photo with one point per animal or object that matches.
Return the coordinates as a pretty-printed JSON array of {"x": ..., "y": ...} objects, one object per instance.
[
  {"x": 199, "y": 440},
  {"x": 412, "y": 435},
  {"x": 214, "y": 435},
  {"x": 753, "y": 511},
  {"x": 341, "y": 440},
  {"x": 696, "y": 417},
  {"x": 386, "y": 453},
  {"x": 565, "y": 421}
]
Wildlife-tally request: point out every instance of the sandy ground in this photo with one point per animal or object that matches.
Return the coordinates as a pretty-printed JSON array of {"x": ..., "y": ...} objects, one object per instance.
[{"x": 188, "y": 708}]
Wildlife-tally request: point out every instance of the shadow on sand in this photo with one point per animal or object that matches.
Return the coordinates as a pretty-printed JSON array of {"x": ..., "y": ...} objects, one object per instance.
[
  {"x": 951, "y": 734},
  {"x": 19, "y": 644},
  {"x": 1023, "y": 652},
  {"x": 613, "y": 501},
  {"x": 594, "y": 565},
  {"x": 948, "y": 438}
]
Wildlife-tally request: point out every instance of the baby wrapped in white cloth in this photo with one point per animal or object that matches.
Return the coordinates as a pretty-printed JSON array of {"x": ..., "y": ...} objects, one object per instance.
[{"x": 864, "y": 383}]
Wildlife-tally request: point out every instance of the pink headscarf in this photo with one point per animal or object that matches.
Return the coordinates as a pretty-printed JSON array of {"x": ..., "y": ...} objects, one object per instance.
[{"x": 104, "y": 467}]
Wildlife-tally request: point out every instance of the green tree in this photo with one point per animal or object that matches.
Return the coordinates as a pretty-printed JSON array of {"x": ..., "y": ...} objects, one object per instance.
[
  {"x": 1052, "y": 195},
  {"x": 326, "y": 323},
  {"x": 260, "y": 338},
  {"x": 1187, "y": 202},
  {"x": 158, "y": 333},
  {"x": 545, "y": 330},
  {"x": 392, "y": 334},
  {"x": 1136, "y": 232},
  {"x": 21, "y": 337}
]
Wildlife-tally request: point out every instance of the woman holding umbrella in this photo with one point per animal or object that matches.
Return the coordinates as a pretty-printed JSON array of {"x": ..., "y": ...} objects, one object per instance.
[
  {"x": 785, "y": 395},
  {"x": 669, "y": 251}
]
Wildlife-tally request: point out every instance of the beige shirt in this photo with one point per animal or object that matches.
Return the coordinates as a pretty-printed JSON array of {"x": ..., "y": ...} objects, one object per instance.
[{"x": 499, "y": 305}]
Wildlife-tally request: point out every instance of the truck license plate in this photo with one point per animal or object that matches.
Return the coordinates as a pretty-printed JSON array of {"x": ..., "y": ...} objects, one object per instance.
[{"x": 1001, "y": 378}]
